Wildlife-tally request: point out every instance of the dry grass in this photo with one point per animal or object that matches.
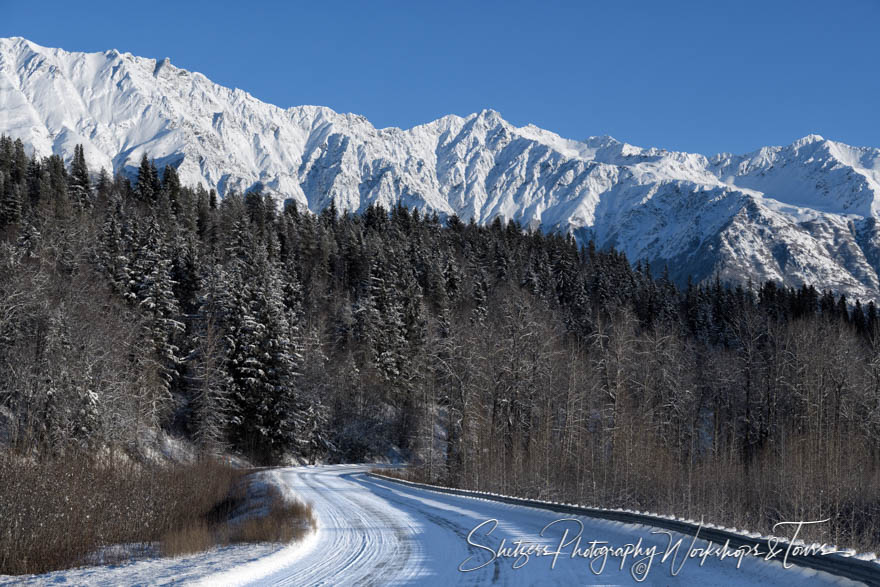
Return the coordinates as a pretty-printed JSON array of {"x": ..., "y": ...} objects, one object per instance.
[
  {"x": 286, "y": 521},
  {"x": 59, "y": 513},
  {"x": 280, "y": 520},
  {"x": 197, "y": 537},
  {"x": 408, "y": 474}
]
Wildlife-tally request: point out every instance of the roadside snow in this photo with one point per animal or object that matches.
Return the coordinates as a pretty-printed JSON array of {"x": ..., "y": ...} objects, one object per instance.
[
  {"x": 151, "y": 569},
  {"x": 379, "y": 532}
]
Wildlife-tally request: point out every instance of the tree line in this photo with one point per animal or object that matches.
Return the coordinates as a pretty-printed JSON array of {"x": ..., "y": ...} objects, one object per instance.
[{"x": 498, "y": 358}]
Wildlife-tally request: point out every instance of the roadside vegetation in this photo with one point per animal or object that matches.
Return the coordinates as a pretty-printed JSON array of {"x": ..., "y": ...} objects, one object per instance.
[
  {"x": 731, "y": 495},
  {"x": 78, "y": 510}
]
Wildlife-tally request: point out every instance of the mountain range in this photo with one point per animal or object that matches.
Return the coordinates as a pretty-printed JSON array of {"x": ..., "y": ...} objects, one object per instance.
[{"x": 802, "y": 213}]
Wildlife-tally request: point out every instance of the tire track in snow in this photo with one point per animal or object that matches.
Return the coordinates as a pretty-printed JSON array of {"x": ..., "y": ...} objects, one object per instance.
[
  {"x": 360, "y": 542},
  {"x": 377, "y": 532}
]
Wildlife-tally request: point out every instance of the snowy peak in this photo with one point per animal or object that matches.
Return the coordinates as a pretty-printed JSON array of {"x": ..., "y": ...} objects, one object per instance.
[
  {"x": 802, "y": 212},
  {"x": 807, "y": 140},
  {"x": 812, "y": 172}
]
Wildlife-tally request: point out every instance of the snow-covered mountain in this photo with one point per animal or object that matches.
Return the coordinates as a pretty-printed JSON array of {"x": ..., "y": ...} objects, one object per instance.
[{"x": 806, "y": 212}]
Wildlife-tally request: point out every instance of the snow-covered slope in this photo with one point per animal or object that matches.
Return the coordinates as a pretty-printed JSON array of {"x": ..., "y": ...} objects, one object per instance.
[{"x": 801, "y": 213}]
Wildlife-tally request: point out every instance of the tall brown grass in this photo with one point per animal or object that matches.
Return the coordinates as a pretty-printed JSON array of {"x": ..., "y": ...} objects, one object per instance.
[
  {"x": 282, "y": 521},
  {"x": 64, "y": 512}
]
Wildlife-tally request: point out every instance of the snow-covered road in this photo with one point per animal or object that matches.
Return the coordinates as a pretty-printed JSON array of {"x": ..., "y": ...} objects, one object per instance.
[{"x": 377, "y": 532}]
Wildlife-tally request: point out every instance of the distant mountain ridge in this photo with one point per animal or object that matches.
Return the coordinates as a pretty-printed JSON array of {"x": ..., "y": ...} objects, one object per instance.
[{"x": 806, "y": 212}]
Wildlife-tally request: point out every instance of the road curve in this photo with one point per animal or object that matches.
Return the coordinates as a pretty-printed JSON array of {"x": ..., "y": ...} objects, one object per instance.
[{"x": 377, "y": 532}]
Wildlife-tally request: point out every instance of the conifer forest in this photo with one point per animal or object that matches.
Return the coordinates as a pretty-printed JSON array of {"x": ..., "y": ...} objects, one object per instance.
[{"x": 488, "y": 357}]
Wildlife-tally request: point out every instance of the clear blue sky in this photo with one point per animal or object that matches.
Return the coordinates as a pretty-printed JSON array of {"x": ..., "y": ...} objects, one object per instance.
[{"x": 701, "y": 76}]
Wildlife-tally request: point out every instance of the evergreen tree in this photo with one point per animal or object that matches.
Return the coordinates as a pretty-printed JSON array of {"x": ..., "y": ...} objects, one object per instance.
[
  {"x": 209, "y": 382},
  {"x": 148, "y": 185},
  {"x": 10, "y": 201},
  {"x": 157, "y": 298},
  {"x": 171, "y": 187},
  {"x": 79, "y": 185},
  {"x": 262, "y": 363}
]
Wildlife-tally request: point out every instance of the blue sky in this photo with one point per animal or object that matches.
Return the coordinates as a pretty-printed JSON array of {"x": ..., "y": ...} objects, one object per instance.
[{"x": 697, "y": 76}]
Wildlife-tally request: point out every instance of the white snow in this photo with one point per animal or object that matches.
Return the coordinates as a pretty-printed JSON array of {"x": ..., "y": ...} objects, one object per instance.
[
  {"x": 378, "y": 531},
  {"x": 150, "y": 569},
  {"x": 375, "y": 531},
  {"x": 662, "y": 206}
]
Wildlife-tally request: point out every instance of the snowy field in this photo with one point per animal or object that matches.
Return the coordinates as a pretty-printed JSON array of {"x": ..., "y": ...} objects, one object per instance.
[{"x": 377, "y": 532}]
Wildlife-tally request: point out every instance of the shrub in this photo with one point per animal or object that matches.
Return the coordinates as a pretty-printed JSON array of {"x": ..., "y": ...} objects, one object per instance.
[{"x": 64, "y": 512}]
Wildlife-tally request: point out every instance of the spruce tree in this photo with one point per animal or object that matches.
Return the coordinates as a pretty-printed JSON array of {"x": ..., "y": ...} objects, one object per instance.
[
  {"x": 79, "y": 185},
  {"x": 148, "y": 185},
  {"x": 10, "y": 201},
  {"x": 157, "y": 298},
  {"x": 171, "y": 187}
]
